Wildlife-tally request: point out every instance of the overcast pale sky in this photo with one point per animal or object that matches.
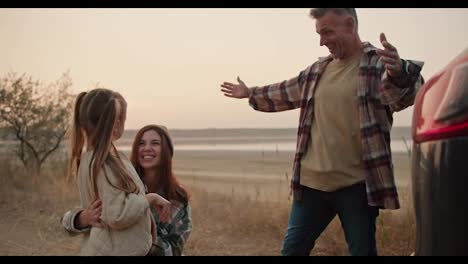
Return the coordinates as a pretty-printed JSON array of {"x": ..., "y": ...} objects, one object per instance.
[{"x": 169, "y": 63}]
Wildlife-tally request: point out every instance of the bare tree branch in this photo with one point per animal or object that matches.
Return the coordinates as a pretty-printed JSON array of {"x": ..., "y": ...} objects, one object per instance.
[{"x": 37, "y": 115}]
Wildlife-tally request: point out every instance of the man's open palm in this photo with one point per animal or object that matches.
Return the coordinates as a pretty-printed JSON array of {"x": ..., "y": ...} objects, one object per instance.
[{"x": 235, "y": 90}]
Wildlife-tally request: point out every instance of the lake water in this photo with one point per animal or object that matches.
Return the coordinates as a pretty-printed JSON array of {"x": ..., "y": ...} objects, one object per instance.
[
  {"x": 256, "y": 140},
  {"x": 397, "y": 146}
]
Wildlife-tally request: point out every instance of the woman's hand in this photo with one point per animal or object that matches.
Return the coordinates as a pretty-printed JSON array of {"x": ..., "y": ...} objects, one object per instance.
[
  {"x": 162, "y": 206},
  {"x": 90, "y": 216}
]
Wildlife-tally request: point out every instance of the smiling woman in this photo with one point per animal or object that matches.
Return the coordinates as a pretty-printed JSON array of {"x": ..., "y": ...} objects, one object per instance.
[
  {"x": 151, "y": 155},
  {"x": 146, "y": 156},
  {"x": 149, "y": 150}
]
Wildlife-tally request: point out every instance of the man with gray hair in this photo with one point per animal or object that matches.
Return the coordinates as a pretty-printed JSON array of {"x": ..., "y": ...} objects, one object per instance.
[{"x": 343, "y": 163}]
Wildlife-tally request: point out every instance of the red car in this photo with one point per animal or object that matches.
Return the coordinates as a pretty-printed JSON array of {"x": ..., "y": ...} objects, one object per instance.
[{"x": 440, "y": 161}]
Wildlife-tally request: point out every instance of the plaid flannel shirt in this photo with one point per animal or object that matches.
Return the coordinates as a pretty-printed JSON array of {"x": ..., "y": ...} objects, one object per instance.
[
  {"x": 378, "y": 97},
  {"x": 173, "y": 235}
]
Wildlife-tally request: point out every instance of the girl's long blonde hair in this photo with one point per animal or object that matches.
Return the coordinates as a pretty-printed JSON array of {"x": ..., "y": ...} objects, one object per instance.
[{"x": 94, "y": 120}]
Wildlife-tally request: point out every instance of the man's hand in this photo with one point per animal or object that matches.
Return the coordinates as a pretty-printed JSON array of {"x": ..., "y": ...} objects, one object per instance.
[
  {"x": 390, "y": 58},
  {"x": 235, "y": 90}
]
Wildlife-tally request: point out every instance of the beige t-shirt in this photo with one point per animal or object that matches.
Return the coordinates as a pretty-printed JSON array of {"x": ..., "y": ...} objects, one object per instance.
[{"x": 334, "y": 156}]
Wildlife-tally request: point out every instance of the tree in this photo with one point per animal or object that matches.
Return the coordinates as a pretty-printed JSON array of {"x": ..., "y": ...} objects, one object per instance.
[{"x": 36, "y": 116}]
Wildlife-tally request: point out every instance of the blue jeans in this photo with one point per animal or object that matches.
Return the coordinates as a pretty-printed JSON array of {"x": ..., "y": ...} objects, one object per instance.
[{"x": 317, "y": 209}]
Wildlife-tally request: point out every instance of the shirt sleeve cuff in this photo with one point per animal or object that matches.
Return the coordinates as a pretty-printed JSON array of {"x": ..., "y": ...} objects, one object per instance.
[{"x": 68, "y": 221}]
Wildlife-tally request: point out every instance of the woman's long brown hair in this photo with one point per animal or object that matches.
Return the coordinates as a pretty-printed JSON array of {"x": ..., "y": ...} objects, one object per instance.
[{"x": 167, "y": 181}]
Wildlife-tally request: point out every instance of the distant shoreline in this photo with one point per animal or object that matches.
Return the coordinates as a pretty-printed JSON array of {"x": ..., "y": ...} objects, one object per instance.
[
  {"x": 245, "y": 128},
  {"x": 398, "y": 132}
]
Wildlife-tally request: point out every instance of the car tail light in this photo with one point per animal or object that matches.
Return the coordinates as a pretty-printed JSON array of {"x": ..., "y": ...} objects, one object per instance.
[{"x": 441, "y": 106}]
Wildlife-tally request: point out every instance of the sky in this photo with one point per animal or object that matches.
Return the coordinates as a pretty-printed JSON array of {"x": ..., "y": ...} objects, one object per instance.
[{"x": 169, "y": 63}]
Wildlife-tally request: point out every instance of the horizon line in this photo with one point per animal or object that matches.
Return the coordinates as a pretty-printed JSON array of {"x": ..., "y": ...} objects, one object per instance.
[{"x": 245, "y": 128}]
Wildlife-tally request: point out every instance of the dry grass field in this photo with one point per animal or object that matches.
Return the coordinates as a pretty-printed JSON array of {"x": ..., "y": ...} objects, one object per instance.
[{"x": 240, "y": 206}]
